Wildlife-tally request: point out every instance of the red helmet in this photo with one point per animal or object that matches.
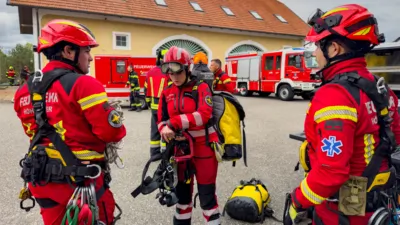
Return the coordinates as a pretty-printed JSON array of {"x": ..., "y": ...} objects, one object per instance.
[
  {"x": 351, "y": 21},
  {"x": 59, "y": 30},
  {"x": 176, "y": 59}
]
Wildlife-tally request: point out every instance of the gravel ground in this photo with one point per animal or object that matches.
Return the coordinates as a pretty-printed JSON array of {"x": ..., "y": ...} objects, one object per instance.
[{"x": 271, "y": 158}]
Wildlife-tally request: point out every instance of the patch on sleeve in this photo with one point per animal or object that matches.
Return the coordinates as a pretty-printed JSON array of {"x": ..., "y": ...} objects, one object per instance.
[
  {"x": 331, "y": 146},
  {"x": 208, "y": 100},
  {"x": 106, "y": 106},
  {"x": 114, "y": 119},
  {"x": 336, "y": 125}
]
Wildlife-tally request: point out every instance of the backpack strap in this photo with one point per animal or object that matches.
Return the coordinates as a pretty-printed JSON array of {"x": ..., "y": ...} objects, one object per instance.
[
  {"x": 38, "y": 84},
  {"x": 378, "y": 93},
  {"x": 195, "y": 95}
]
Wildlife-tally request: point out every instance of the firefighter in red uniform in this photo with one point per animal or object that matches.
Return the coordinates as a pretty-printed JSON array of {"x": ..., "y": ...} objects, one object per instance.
[
  {"x": 341, "y": 126},
  {"x": 155, "y": 82},
  {"x": 77, "y": 107},
  {"x": 222, "y": 81},
  {"x": 177, "y": 112},
  {"x": 11, "y": 75}
]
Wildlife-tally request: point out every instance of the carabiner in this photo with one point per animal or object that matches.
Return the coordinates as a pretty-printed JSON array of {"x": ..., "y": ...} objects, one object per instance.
[
  {"x": 27, "y": 208},
  {"x": 98, "y": 174},
  {"x": 73, "y": 196},
  {"x": 380, "y": 85}
]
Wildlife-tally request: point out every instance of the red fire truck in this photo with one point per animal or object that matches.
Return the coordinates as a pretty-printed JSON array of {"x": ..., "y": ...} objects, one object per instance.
[
  {"x": 286, "y": 73},
  {"x": 112, "y": 72}
]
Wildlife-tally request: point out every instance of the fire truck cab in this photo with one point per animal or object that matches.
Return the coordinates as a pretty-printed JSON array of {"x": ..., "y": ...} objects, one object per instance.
[
  {"x": 112, "y": 72},
  {"x": 286, "y": 73}
]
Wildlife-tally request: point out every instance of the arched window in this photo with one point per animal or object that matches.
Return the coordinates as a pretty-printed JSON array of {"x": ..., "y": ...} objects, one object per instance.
[
  {"x": 190, "y": 46},
  {"x": 245, "y": 48}
]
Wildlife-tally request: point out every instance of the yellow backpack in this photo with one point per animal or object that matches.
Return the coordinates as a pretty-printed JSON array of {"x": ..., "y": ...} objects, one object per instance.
[
  {"x": 249, "y": 202},
  {"x": 228, "y": 121}
]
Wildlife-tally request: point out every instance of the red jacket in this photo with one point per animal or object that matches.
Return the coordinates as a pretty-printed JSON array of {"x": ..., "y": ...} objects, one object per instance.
[
  {"x": 10, "y": 73},
  {"x": 223, "y": 82},
  {"x": 77, "y": 106},
  {"x": 342, "y": 135},
  {"x": 155, "y": 82},
  {"x": 177, "y": 109}
]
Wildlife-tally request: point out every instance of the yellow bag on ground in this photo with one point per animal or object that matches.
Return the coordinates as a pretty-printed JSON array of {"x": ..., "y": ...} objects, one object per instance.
[{"x": 249, "y": 202}]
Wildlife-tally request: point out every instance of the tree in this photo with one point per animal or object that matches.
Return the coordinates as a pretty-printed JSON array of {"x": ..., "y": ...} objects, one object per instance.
[{"x": 18, "y": 57}]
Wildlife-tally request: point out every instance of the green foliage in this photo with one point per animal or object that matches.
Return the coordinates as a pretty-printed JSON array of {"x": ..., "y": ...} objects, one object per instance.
[{"x": 18, "y": 57}]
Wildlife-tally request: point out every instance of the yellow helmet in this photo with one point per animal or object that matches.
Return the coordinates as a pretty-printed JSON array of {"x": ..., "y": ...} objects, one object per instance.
[
  {"x": 11, "y": 68},
  {"x": 200, "y": 57}
]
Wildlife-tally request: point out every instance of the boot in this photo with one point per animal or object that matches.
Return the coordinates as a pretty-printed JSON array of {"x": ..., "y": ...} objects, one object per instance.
[{"x": 132, "y": 109}]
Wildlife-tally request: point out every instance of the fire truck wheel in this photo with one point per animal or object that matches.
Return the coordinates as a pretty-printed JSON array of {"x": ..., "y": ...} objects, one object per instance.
[
  {"x": 143, "y": 104},
  {"x": 243, "y": 90},
  {"x": 285, "y": 92}
]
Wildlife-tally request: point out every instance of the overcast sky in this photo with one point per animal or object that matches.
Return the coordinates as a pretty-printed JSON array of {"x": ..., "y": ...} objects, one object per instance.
[{"x": 388, "y": 17}]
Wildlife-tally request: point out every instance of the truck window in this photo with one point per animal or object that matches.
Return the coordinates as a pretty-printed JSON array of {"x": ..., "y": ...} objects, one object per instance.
[
  {"x": 121, "y": 66},
  {"x": 292, "y": 61},
  {"x": 278, "y": 62},
  {"x": 269, "y": 62}
]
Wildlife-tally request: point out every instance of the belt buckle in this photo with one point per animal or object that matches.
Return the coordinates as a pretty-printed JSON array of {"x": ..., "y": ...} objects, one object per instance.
[{"x": 97, "y": 175}]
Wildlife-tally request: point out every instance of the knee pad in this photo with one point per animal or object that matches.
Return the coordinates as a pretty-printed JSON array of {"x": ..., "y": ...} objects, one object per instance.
[{"x": 207, "y": 196}]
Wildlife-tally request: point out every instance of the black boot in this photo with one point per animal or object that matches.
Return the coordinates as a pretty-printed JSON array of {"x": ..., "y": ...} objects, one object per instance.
[
  {"x": 182, "y": 222},
  {"x": 132, "y": 109}
]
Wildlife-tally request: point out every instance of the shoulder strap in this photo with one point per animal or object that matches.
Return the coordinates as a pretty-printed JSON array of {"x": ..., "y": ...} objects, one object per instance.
[
  {"x": 195, "y": 93},
  {"x": 378, "y": 92},
  {"x": 38, "y": 85}
]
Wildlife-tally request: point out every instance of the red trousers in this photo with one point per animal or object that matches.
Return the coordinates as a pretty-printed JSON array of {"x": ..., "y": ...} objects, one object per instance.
[
  {"x": 331, "y": 218},
  {"x": 53, "y": 199},
  {"x": 205, "y": 165}
]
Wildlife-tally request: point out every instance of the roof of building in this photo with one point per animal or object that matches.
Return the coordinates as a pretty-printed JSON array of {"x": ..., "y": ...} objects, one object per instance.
[{"x": 265, "y": 16}]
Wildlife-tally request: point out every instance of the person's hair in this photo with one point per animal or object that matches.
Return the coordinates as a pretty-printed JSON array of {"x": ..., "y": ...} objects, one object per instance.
[
  {"x": 54, "y": 52},
  {"x": 358, "y": 47},
  {"x": 218, "y": 62}
]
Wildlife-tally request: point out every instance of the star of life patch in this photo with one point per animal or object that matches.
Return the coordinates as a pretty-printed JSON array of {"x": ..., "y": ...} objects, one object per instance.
[{"x": 331, "y": 146}]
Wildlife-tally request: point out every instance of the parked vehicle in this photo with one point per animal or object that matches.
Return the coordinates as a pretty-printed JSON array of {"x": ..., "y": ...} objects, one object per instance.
[
  {"x": 112, "y": 72},
  {"x": 384, "y": 61},
  {"x": 286, "y": 73}
]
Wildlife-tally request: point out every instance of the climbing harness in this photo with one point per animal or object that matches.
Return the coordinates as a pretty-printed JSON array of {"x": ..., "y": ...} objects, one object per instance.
[
  {"x": 56, "y": 163},
  {"x": 165, "y": 177}
]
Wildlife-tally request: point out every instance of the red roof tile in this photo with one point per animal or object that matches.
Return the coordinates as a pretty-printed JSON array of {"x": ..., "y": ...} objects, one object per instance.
[{"x": 180, "y": 11}]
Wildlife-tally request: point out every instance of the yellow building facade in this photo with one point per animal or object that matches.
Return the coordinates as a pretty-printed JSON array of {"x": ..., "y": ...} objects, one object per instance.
[{"x": 140, "y": 38}]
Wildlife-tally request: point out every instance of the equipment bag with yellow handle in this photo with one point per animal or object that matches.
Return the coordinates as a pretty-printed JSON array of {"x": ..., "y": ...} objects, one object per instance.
[{"x": 249, "y": 202}]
